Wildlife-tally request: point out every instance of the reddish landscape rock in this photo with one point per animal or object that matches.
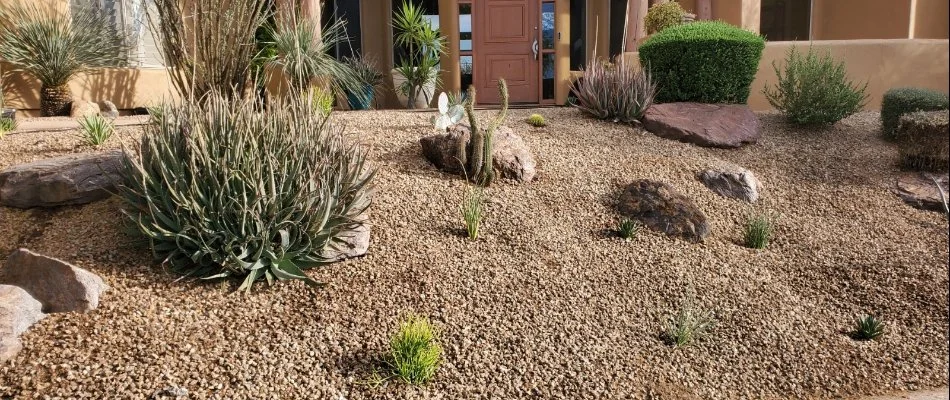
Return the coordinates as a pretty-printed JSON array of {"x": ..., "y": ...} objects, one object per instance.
[
  {"x": 919, "y": 191},
  {"x": 58, "y": 285},
  {"x": 660, "y": 207},
  {"x": 511, "y": 156},
  {"x": 706, "y": 125}
]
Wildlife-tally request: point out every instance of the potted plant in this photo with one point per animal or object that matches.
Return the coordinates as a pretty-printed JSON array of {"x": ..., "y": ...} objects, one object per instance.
[
  {"x": 417, "y": 76},
  {"x": 54, "y": 47},
  {"x": 369, "y": 76}
]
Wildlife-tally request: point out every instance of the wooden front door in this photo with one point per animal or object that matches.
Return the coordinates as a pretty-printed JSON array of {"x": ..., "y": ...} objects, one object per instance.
[{"x": 506, "y": 36}]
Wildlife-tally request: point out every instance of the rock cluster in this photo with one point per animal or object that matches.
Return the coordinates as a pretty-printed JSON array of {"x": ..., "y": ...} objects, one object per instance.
[{"x": 511, "y": 157}]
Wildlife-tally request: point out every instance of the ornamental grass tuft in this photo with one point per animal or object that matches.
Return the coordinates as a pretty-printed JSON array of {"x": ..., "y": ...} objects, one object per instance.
[
  {"x": 415, "y": 353},
  {"x": 758, "y": 231},
  {"x": 866, "y": 327},
  {"x": 473, "y": 210}
]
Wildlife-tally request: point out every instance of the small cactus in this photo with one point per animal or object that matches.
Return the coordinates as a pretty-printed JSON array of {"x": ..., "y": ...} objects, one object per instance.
[
  {"x": 537, "y": 121},
  {"x": 476, "y": 155}
]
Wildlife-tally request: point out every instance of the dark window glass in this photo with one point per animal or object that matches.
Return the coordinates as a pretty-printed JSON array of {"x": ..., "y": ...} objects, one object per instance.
[
  {"x": 431, "y": 10},
  {"x": 465, "y": 63},
  {"x": 465, "y": 27},
  {"x": 578, "y": 34},
  {"x": 547, "y": 26},
  {"x": 618, "y": 13},
  {"x": 785, "y": 19},
  {"x": 547, "y": 76},
  {"x": 348, "y": 11}
]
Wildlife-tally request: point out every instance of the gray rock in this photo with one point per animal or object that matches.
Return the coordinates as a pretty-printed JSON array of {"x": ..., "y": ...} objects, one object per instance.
[
  {"x": 355, "y": 243},
  {"x": 170, "y": 392},
  {"x": 918, "y": 190},
  {"x": 512, "y": 159},
  {"x": 72, "y": 179},
  {"x": 660, "y": 207},
  {"x": 83, "y": 108},
  {"x": 734, "y": 183},
  {"x": 108, "y": 109},
  {"x": 707, "y": 125},
  {"x": 18, "y": 311},
  {"x": 58, "y": 285}
]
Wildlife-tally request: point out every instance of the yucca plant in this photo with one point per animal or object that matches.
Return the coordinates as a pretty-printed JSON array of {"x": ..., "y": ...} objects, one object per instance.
[
  {"x": 415, "y": 353},
  {"x": 55, "y": 46},
  {"x": 536, "y": 120},
  {"x": 866, "y": 327},
  {"x": 221, "y": 189},
  {"x": 614, "y": 91},
  {"x": 687, "y": 326},
  {"x": 473, "y": 210},
  {"x": 758, "y": 231},
  {"x": 94, "y": 130},
  {"x": 628, "y": 228}
]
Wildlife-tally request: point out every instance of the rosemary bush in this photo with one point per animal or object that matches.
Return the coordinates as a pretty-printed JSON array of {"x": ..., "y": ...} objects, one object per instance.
[
  {"x": 614, "y": 91},
  {"x": 94, "y": 130},
  {"x": 815, "y": 89},
  {"x": 221, "y": 189}
]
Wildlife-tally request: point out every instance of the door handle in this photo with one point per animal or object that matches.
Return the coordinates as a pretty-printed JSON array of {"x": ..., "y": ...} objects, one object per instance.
[{"x": 535, "y": 48}]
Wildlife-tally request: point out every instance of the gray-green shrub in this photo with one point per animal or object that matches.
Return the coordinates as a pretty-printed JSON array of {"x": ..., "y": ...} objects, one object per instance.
[
  {"x": 814, "y": 89},
  {"x": 222, "y": 189},
  {"x": 899, "y": 101}
]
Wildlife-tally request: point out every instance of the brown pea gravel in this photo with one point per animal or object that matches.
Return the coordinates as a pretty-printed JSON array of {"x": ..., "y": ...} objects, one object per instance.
[{"x": 547, "y": 304}]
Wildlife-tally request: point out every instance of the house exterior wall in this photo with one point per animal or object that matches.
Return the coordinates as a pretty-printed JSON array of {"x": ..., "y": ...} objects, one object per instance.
[
  {"x": 930, "y": 19},
  {"x": 860, "y": 19}
]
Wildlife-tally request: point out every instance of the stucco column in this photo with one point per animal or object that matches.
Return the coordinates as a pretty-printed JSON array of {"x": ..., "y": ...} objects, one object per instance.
[
  {"x": 451, "y": 73},
  {"x": 703, "y": 9},
  {"x": 310, "y": 9},
  {"x": 562, "y": 50},
  {"x": 636, "y": 12}
]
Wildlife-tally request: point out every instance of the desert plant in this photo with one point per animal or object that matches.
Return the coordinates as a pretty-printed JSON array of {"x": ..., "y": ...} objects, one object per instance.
[
  {"x": 53, "y": 47},
  {"x": 451, "y": 111},
  {"x": 923, "y": 140},
  {"x": 614, "y": 91},
  {"x": 536, "y": 120},
  {"x": 628, "y": 228},
  {"x": 688, "y": 325},
  {"x": 706, "y": 62},
  {"x": 95, "y": 130},
  {"x": 208, "y": 47},
  {"x": 320, "y": 100},
  {"x": 364, "y": 68},
  {"x": 221, "y": 189},
  {"x": 415, "y": 352},
  {"x": 424, "y": 46},
  {"x": 866, "y": 327},
  {"x": 663, "y": 15},
  {"x": 814, "y": 89},
  {"x": 758, "y": 230},
  {"x": 476, "y": 154},
  {"x": 473, "y": 210},
  {"x": 7, "y": 125},
  {"x": 900, "y": 101}
]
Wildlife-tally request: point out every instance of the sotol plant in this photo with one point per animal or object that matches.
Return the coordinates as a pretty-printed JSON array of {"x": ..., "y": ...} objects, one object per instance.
[
  {"x": 814, "y": 89},
  {"x": 95, "y": 130},
  {"x": 476, "y": 154},
  {"x": 415, "y": 353},
  {"x": 628, "y": 228},
  {"x": 221, "y": 189},
  {"x": 866, "y": 327}
]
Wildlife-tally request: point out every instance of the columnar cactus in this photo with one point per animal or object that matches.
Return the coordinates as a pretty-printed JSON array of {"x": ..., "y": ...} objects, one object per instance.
[{"x": 476, "y": 155}]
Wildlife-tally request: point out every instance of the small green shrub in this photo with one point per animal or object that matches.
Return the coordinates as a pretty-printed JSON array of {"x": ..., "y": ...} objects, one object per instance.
[
  {"x": 472, "y": 210},
  {"x": 321, "y": 101},
  {"x": 900, "y": 101},
  {"x": 94, "y": 130},
  {"x": 758, "y": 231},
  {"x": 923, "y": 140},
  {"x": 614, "y": 91},
  {"x": 706, "y": 62},
  {"x": 663, "y": 15},
  {"x": 7, "y": 125},
  {"x": 814, "y": 89},
  {"x": 415, "y": 353},
  {"x": 537, "y": 120},
  {"x": 687, "y": 326},
  {"x": 628, "y": 228},
  {"x": 867, "y": 327}
]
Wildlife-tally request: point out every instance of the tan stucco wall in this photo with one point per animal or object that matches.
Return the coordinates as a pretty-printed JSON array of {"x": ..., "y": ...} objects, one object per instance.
[
  {"x": 930, "y": 19},
  {"x": 861, "y": 19}
]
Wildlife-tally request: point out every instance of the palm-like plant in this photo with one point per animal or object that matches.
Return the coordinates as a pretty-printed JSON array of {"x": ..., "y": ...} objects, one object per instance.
[
  {"x": 424, "y": 46},
  {"x": 53, "y": 47}
]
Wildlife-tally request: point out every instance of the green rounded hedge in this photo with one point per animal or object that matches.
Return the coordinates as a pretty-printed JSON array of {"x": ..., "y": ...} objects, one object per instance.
[
  {"x": 900, "y": 101},
  {"x": 706, "y": 62}
]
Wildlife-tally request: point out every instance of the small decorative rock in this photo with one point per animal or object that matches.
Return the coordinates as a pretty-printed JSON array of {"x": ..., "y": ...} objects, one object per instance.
[
  {"x": 58, "y": 285},
  {"x": 108, "y": 109},
  {"x": 918, "y": 190},
  {"x": 660, "y": 207},
  {"x": 707, "y": 125},
  {"x": 18, "y": 311},
  {"x": 173, "y": 392},
  {"x": 82, "y": 108},
  {"x": 512, "y": 159},
  {"x": 735, "y": 183},
  {"x": 355, "y": 243},
  {"x": 72, "y": 179}
]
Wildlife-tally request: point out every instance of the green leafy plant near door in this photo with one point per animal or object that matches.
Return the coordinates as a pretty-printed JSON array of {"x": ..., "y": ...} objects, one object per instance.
[{"x": 424, "y": 46}]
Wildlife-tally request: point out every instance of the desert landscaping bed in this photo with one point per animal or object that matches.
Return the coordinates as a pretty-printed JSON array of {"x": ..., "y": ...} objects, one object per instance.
[{"x": 548, "y": 303}]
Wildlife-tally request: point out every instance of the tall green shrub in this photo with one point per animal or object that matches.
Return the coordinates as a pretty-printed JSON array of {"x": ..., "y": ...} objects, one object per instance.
[
  {"x": 900, "y": 101},
  {"x": 221, "y": 189},
  {"x": 814, "y": 89},
  {"x": 706, "y": 62}
]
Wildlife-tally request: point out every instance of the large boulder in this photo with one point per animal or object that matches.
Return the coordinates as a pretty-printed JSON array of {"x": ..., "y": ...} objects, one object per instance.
[
  {"x": 83, "y": 108},
  {"x": 512, "y": 159},
  {"x": 732, "y": 182},
  {"x": 58, "y": 285},
  {"x": 918, "y": 190},
  {"x": 18, "y": 311},
  {"x": 72, "y": 179},
  {"x": 660, "y": 207},
  {"x": 707, "y": 125}
]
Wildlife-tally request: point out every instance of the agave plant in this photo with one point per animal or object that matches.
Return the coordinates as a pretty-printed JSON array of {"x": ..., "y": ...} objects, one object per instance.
[
  {"x": 221, "y": 189},
  {"x": 614, "y": 91},
  {"x": 54, "y": 47}
]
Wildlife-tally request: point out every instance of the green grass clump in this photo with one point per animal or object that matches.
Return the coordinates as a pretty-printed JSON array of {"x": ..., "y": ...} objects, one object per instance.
[
  {"x": 7, "y": 125},
  {"x": 758, "y": 231},
  {"x": 472, "y": 210},
  {"x": 814, "y": 89},
  {"x": 321, "y": 101},
  {"x": 415, "y": 353},
  {"x": 687, "y": 326},
  {"x": 900, "y": 101},
  {"x": 628, "y": 228},
  {"x": 866, "y": 327},
  {"x": 537, "y": 120},
  {"x": 94, "y": 130}
]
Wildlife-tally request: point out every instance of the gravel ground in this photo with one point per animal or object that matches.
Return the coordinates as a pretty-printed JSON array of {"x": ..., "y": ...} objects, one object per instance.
[{"x": 547, "y": 305}]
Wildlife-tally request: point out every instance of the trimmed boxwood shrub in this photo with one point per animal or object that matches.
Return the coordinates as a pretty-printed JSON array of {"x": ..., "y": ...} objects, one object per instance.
[
  {"x": 706, "y": 62},
  {"x": 924, "y": 141},
  {"x": 900, "y": 101}
]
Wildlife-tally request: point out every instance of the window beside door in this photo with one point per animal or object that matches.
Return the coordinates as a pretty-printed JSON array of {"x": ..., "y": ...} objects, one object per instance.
[{"x": 782, "y": 20}]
